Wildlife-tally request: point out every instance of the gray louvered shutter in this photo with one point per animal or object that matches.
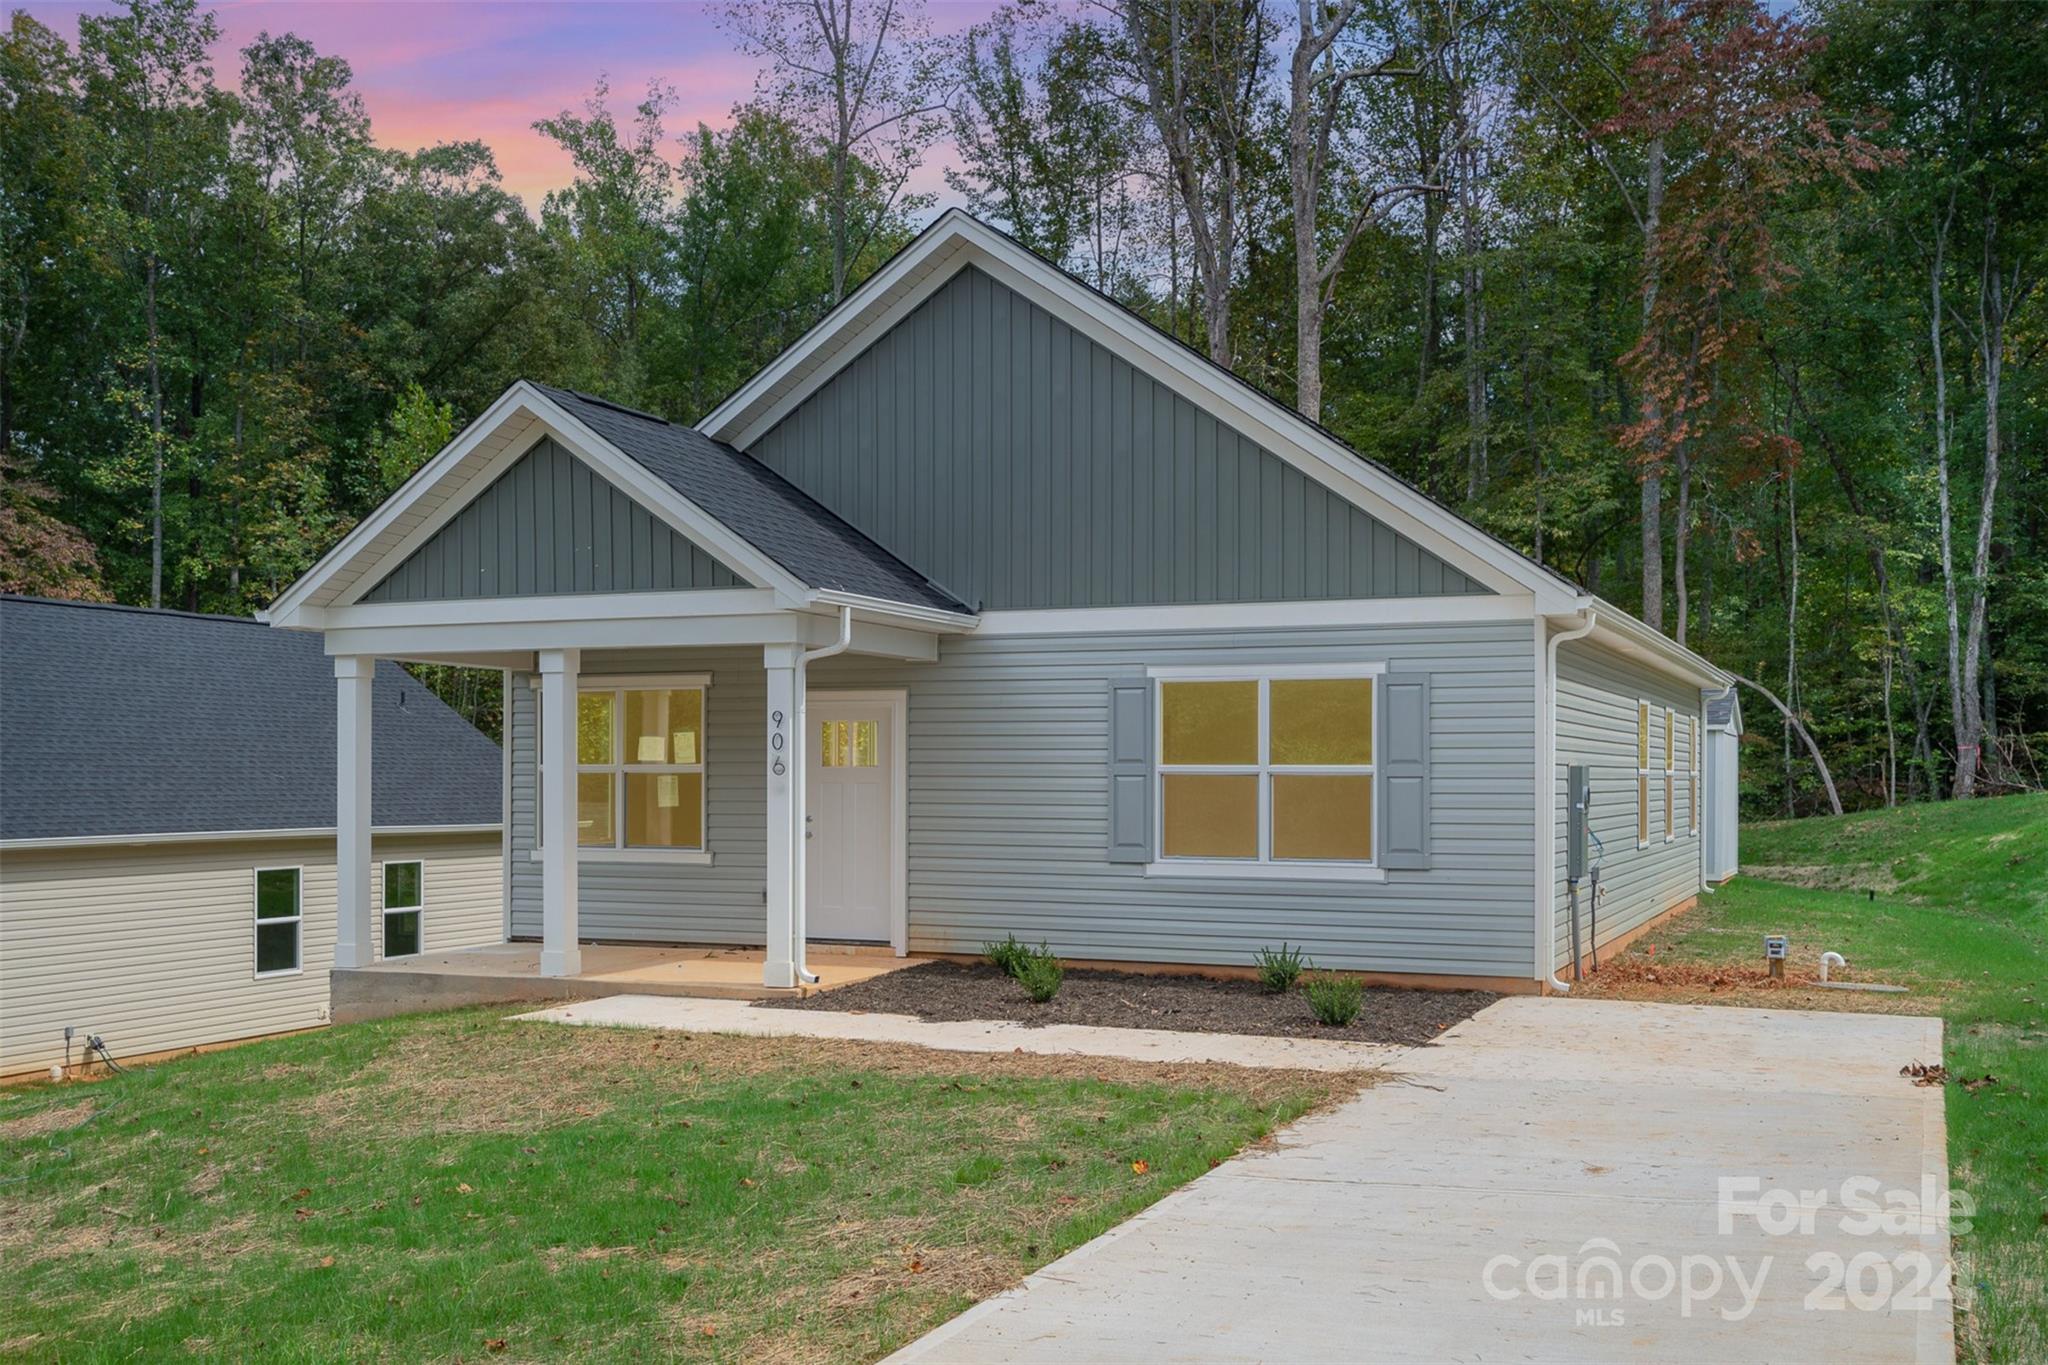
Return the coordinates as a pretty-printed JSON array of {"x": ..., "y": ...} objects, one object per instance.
[
  {"x": 1130, "y": 770},
  {"x": 1404, "y": 770}
]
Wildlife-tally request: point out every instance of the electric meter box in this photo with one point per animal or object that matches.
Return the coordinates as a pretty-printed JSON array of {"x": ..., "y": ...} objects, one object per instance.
[{"x": 1578, "y": 790}]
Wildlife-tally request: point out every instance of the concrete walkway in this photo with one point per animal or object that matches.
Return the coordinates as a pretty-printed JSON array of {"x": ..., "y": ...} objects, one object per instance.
[
  {"x": 1470, "y": 1215},
  {"x": 1058, "y": 1040}
]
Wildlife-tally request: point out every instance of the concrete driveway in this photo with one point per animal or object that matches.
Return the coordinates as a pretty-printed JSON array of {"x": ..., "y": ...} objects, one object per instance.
[{"x": 1546, "y": 1184}]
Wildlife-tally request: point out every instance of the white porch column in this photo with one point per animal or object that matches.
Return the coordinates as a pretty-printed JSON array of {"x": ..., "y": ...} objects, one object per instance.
[
  {"x": 353, "y": 674},
  {"x": 559, "y": 953},
  {"x": 784, "y": 813}
]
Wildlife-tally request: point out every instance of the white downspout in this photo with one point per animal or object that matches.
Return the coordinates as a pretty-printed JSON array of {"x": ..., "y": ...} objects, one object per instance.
[
  {"x": 800, "y": 780},
  {"x": 1546, "y": 883}
]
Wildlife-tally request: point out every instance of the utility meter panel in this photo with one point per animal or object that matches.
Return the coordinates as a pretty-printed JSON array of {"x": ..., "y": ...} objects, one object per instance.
[{"x": 1578, "y": 789}]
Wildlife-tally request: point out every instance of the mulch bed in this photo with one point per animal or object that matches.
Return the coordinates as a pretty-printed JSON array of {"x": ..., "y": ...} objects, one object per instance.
[{"x": 953, "y": 991}]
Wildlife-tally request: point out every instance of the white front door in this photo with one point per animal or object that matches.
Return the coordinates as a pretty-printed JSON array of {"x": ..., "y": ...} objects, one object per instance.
[{"x": 852, "y": 798}]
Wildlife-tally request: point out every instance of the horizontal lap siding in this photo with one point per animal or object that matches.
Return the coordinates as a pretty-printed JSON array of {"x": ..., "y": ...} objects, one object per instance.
[
  {"x": 1597, "y": 692},
  {"x": 1008, "y": 749},
  {"x": 656, "y": 902},
  {"x": 152, "y": 947}
]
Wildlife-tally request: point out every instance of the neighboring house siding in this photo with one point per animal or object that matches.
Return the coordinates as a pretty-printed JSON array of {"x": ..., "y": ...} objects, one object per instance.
[
  {"x": 152, "y": 946},
  {"x": 1008, "y": 745},
  {"x": 1597, "y": 692},
  {"x": 549, "y": 525},
  {"x": 1020, "y": 465}
]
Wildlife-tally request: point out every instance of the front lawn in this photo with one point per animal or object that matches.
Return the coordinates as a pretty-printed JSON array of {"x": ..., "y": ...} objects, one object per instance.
[
  {"x": 455, "y": 1186},
  {"x": 1951, "y": 901}
]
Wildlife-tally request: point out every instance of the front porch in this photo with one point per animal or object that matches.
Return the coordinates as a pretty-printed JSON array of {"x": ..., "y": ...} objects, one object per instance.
[{"x": 491, "y": 973}]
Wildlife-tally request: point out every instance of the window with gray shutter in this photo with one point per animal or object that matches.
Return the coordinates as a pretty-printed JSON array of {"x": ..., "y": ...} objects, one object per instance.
[
  {"x": 1404, "y": 770},
  {"x": 1130, "y": 770}
]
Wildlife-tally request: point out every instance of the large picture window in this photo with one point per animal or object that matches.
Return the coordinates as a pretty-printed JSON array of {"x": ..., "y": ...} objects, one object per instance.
[
  {"x": 1274, "y": 768},
  {"x": 640, "y": 765}
]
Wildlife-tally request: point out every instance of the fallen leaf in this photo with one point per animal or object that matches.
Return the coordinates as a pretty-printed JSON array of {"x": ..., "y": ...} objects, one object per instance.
[
  {"x": 1141, "y": 1166},
  {"x": 747, "y": 1181},
  {"x": 464, "y": 1189},
  {"x": 708, "y": 1330},
  {"x": 326, "y": 1261},
  {"x": 495, "y": 1343},
  {"x": 916, "y": 1265}
]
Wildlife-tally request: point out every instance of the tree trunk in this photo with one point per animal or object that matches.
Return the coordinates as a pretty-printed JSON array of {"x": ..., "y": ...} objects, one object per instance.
[
  {"x": 156, "y": 441},
  {"x": 1681, "y": 539},
  {"x": 1827, "y": 779},
  {"x": 1473, "y": 284},
  {"x": 1304, "y": 195},
  {"x": 1947, "y": 518},
  {"x": 1991, "y": 306},
  {"x": 1651, "y": 415}
]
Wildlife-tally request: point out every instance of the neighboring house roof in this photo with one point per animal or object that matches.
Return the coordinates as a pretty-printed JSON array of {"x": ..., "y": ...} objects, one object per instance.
[
  {"x": 1723, "y": 713},
  {"x": 788, "y": 525},
  {"x": 126, "y": 721}
]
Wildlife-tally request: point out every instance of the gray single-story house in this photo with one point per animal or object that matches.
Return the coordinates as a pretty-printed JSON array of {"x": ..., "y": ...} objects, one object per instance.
[
  {"x": 167, "y": 830},
  {"x": 989, "y": 608}
]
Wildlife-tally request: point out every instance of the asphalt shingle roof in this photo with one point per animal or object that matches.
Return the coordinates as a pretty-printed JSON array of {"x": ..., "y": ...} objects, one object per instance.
[
  {"x": 1721, "y": 707},
  {"x": 124, "y": 720},
  {"x": 763, "y": 508}
]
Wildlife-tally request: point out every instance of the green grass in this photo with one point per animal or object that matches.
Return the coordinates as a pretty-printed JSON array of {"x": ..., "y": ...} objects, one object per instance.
[
  {"x": 456, "y": 1186},
  {"x": 1951, "y": 901}
]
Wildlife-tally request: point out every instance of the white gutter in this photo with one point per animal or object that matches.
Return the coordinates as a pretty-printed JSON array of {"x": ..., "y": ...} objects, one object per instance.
[
  {"x": 211, "y": 836},
  {"x": 902, "y": 611},
  {"x": 799, "y": 781},
  {"x": 1546, "y": 829}
]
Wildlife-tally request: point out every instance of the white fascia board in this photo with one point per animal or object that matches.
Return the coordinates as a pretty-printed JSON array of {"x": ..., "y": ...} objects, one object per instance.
[
  {"x": 236, "y": 835},
  {"x": 521, "y": 401},
  {"x": 1626, "y": 635},
  {"x": 907, "y": 613},
  {"x": 912, "y": 277},
  {"x": 571, "y": 632},
  {"x": 282, "y": 612},
  {"x": 1472, "y": 608},
  {"x": 610, "y": 606}
]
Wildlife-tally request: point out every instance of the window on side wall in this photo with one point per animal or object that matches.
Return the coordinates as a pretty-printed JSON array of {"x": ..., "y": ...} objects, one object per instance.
[
  {"x": 639, "y": 766},
  {"x": 1268, "y": 770},
  {"x": 278, "y": 920},
  {"x": 1670, "y": 775},
  {"x": 1692, "y": 788},
  {"x": 1642, "y": 774},
  {"x": 405, "y": 891}
]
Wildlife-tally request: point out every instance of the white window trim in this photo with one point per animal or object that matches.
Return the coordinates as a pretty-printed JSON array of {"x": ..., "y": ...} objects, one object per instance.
[
  {"x": 619, "y": 852},
  {"x": 1265, "y": 866},
  {"x": 1692, "y": 810},
  {"x": 385, "y": 911},
  {"x": 1670, "y": 774},
  {"x": 296, "y": 919},
  {"x": 1645, "y": 713}
]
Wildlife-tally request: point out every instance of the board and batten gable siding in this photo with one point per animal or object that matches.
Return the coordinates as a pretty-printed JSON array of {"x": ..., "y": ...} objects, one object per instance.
[
  {"x": 1597, "y": 693},
  {"x": 1008, "y": 808},
  {"x": 153, "y": 946},
  {"x": 1018, "y": 464},
  {"x": 550, "y": 525}
]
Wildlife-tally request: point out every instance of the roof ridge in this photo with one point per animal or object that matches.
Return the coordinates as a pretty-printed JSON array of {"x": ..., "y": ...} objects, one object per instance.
[{"x": 137, "y": 609}]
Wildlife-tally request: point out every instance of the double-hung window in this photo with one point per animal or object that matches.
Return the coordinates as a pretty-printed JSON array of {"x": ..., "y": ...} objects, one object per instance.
[
  {"x": 640, "y": 766},
  {"x": 1642, "y": 774},
  {"x": 405, "y": 898},
  {"x": 277, "y": 920},
  {"x": 1269, "y": 769},
  {"x": 1670, "y": 774},
  {"x": 1692, "y": 788}
]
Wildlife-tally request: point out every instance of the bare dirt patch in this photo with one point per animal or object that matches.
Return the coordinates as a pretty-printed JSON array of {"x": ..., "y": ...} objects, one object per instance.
[
  {"x": 46, "y": 1121},
  {"x": 953, "y": 991},
  {"x": 1646, "y": 975}
]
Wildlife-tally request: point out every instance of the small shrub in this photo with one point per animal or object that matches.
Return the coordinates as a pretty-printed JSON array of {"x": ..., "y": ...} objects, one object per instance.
[
  {"x": 1335, "y": 1000},
  {"x": 1279, "y": 970},
  {"x": 1040, "y": 974},
  {"x": 1008, "y": 954}
]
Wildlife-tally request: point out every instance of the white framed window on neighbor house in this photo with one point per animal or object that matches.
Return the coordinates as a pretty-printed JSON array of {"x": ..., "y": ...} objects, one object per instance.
[
  {"x": 1642, "y": 774},
  {"x": 405, "y": 901},
  {"x": 279, "y": 917},
  {"x": 639, "y": 767},
  {"x": 1670, "y": 775},
  {"x": 1267, "y": 772}
]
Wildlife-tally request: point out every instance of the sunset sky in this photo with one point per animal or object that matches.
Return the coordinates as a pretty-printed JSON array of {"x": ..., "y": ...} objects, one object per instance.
[{"x": 445, "y": 70}]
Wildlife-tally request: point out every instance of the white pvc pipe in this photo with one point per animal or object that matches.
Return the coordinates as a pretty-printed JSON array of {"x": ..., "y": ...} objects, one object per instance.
[
  {"x": 1546, "y": 885},
  {"x": 1831, "y": 960},
  {"x": 800, "y": 781}
]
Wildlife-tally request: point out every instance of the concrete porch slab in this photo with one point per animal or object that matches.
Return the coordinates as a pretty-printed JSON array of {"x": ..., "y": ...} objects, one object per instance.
[
  {"x": 1058, "y": 1040},
  {"x": 492, "y": 973}
]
